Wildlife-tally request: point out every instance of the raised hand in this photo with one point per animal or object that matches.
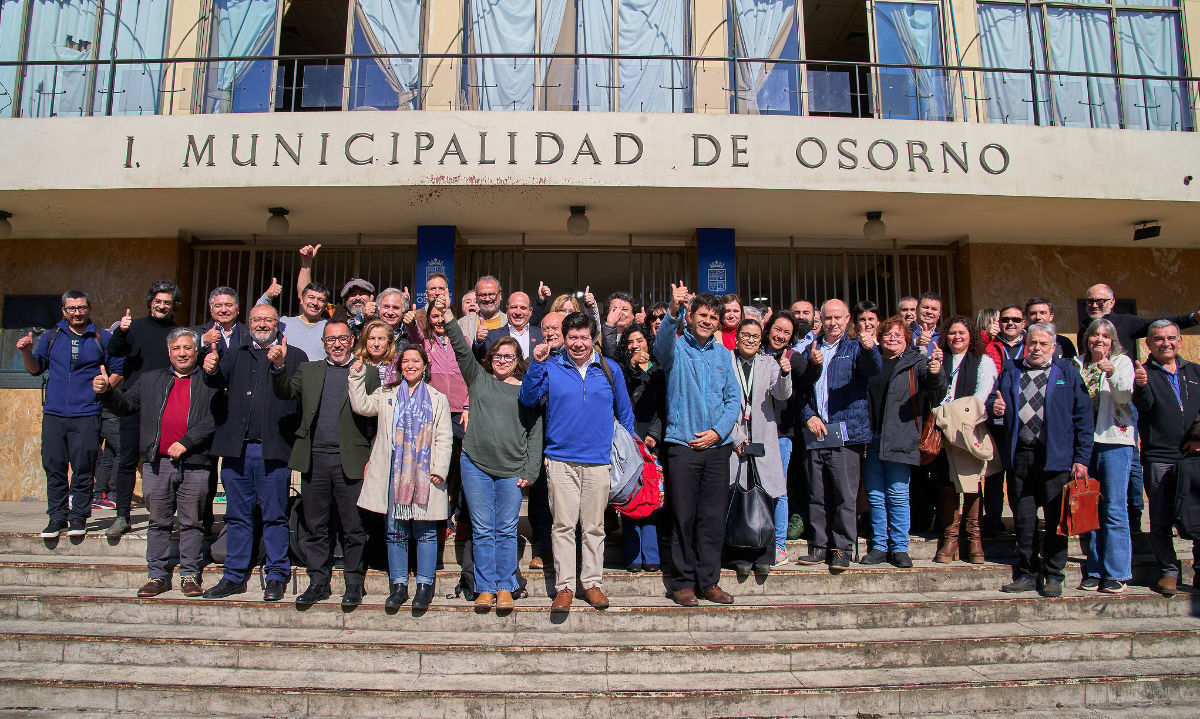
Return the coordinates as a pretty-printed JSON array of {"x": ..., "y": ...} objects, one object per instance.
[
  {"x": 25, "y": 343},
  {"x": 541, "y": 352},
  {"x": 482, "y": 332},
  {"x": 357, "y": 366},
  {"x": 1106, "y": 366},
  {"x": 588, "y": 298},
  {"x": 543, "y": 291},
  {"x": 935, "y": 361},
  {"x": 371, "y": 309},
  {"x": 100, "y": 383},
  {"x": 679, "y": 296},
  {"x": 640, "y": 316},
  {"x": 212, "y": 336},
  {"x": 924, "y": 338},
  {"x": 410, "y": 316},
  {"x": 210, "y": 361},
  {"x": 275, "y": 289},
  {"x": 1140, "y": 378},
  {"x": 307, "y": 254},
  {"x": 785, "y": 364},
  {"x": 126, "y": 320},
  {"x": 867, "y": 339},
  {"x": 614, "y": 316},
  {"x": 277, "y": 354},
  {"x": 999, "y": 407},
  {"x": 815, "y": 355},
  {"x": 406, "y": 297}
]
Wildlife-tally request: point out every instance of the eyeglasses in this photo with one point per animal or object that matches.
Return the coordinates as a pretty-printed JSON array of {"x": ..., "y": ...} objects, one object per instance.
[
  {"x": 1097, "y": 300},
  {"x": 1011, "y": 320},
  {"x": 748, "y": 336},
  {"x": 504, "y": 358},
  {"x": 338, "y": 340},
  {"x": 77, "y": 310},
  {"x": 658, "y": 316}
]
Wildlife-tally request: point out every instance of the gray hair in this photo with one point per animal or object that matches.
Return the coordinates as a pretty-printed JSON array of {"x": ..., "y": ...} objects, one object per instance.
[
  {"x": 225, "y": 291},
  {"x": 490, "y": 278},
  {"x": 1103, "y": 324},
  {"x": 1047, "y": 327},
  {"x": 1161, "y": 325},
  {"x": 183, "y": 332},
  {"x": 392, "y": 291}
]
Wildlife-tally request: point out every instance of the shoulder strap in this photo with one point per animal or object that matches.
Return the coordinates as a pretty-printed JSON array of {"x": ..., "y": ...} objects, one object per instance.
[{"x": 608, "y": 375}]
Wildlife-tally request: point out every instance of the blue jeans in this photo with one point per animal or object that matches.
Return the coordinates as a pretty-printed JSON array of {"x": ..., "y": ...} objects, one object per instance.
[
  {"x": 495, "y": 505},
  {"x": 639, "y": 540},
  {"x": 887, "y": 493},
  {"x": 399, "y": 532},
  {"x": 781, "y": 504},
  {"x": 1109, "y": 549},
  {"x": 253, "y": 482}
]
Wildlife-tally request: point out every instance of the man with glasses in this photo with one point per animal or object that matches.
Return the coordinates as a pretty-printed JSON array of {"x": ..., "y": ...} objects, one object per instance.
[
  {"x": 1012, "y": 332},
  {"x": 255, "y": 432},
  {"x": 488, "y": 296},
  {"x": 331, "y": 450},
  {"x": 70, "y": 354},
  {"x": 143, "y": 344}
]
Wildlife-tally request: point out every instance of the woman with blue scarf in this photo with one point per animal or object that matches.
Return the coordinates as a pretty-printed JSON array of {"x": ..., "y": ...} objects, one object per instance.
[{"x": 405, "y": 477}]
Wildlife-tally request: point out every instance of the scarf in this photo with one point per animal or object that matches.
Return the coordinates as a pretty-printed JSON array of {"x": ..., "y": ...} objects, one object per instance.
[{"x": 412, "y": 447}]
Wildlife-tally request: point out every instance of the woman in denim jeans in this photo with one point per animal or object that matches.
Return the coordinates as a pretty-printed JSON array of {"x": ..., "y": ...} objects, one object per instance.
[
  {"x": 1108, "y": 375},
  {"x": 405, "y": 478}
]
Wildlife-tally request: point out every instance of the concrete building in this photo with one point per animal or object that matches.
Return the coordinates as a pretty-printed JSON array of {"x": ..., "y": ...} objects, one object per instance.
[{"x": 1012, "y": 149}]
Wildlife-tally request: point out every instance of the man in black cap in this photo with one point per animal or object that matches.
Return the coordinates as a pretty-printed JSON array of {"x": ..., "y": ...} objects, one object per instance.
[{"x": 358, "y": 297}]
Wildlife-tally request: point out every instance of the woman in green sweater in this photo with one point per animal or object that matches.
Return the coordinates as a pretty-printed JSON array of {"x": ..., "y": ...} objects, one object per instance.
[{"x": 502, "y": 453}]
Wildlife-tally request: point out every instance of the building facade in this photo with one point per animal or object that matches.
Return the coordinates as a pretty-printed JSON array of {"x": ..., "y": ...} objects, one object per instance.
[{"x": 738, "y": 145}]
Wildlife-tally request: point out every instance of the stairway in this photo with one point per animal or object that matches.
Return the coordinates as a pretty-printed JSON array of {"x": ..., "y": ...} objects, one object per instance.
[{"x": 934, "y": 640}]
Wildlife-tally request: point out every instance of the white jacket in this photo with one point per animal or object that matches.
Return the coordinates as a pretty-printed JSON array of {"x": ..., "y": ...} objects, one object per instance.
[{"x": 1114, "y": 414}]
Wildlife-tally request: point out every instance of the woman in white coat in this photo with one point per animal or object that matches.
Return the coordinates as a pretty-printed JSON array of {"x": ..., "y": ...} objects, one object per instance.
[
  {"x": 405, "y": 479},
  {"x": 1108, "y": 375}
]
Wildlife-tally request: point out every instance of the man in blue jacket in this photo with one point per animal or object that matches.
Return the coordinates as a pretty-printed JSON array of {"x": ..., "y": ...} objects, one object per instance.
[
  {"x": 71, "y": 353},
  {"x": 703, "y": 401},
  {"x": 837, "y": 424},
  {"x": 1042, "y": 417},
  {"x": 581, "y": 401}
]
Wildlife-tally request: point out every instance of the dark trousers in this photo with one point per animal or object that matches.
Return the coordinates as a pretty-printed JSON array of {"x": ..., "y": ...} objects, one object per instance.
[
  {"x": 1029, "y": 487},
  {"x": 540, "y": 520},
  {"x": 325, "y": 490},
  {"x": 1160, "y": 488},
  {"x": 210, "y": 495},
  {"x": 73, "y": 442},
  {"x": 833, "y": 477},
  {"x": 993, "y": 502},
  {"x": 128, "y": 457},
  {"x": 106, "y": 460},
  {"x": 172, "y": 490},
  {"x": 698, "y": 499},
  {"x": 252, "y": 482},
  {"x": 797, "y": 485}
]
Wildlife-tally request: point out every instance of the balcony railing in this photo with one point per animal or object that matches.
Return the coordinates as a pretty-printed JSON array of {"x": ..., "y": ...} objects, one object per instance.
[{"x": 457, "y": 82}]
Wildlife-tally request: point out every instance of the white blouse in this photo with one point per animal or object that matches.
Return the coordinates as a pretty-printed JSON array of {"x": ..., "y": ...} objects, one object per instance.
[{"x": 985, "y": 378}]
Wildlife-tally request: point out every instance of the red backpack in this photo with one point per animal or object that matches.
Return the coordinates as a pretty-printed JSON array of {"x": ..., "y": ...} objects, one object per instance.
[{"x": 650, "y": 492}]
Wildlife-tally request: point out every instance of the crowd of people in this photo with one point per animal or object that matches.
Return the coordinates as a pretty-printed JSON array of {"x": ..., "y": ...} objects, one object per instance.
[{"x": 440, "y": 420}]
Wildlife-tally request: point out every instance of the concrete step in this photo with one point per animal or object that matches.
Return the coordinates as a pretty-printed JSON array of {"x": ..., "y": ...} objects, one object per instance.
[
  {"x": 626, "y": 653},
  {"x": 639, "y": 614},
  {"x": 125, "y": 572},
  {"x": 882, "y": 692}
]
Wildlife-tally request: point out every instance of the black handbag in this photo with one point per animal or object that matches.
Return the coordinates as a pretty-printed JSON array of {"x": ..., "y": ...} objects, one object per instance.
[{"x": 750, "y": 521}]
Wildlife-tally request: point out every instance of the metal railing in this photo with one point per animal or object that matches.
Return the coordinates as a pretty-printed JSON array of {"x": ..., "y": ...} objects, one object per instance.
[{"x": 279, "y": 83}]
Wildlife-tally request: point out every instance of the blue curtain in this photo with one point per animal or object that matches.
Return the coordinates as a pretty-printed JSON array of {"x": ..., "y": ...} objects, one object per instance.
[
  {"x": 241, "y": 28},
  {"x": 1004, "y": 43},
  {"x": 141, "y": 35},
  {"x": 386, "y": 27},
  {"x": 766, "y": 29},
  {"x": 11, "y": 12},
  {"x": 509, "y": 27},
  {"x": 911, "y": 34},
  {"x": 63, "y": 30},
  {"x": 1080, "y": 40},
  {"x": 1149, "y": 43},
  {"x": 654, "y": 27}
]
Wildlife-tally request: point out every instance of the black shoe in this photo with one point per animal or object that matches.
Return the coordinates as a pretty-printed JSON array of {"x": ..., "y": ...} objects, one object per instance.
[
  {"x": 353, "y": 596},
  {"x": 900, "y": 559},
  {"x": 224, "y": 588},
  {"x": 424, "y": 596},
  {"x": 651, "y": 567},
  {"x": 274, "y": 591},
  {"x": 762, "y": 569},
  {"x": 633, "y": 567},
  {"x": 398, "y": 596},
  {"x": 814, "y": 556},
  {"x": 315, "y": 593},
  {"x": 1051, "y": 588},
  {"x": 77, "y": 528},
  {"x": 53, "y": 529},
  {"x": 1024, "y": 584},
  {"x": 741, "y": 568},
  {"x": 839, "y": 561},
  {"x": 875, "y": 556}
]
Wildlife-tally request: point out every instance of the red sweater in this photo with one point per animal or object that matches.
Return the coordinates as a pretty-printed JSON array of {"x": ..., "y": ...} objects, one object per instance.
[{"x": 175, "y": 414}]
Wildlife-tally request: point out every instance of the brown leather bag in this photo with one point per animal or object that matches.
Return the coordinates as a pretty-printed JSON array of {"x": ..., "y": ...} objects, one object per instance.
[
  {"x": 1080, "y": 507},
  {"x": 930, "y": 442}
]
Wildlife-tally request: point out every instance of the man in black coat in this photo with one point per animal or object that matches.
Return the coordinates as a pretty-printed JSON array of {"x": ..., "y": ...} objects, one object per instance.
[
  {"x": 175, "y": 410},
  {"x": 255, "y": 431},
  {"x": 143, "y": 344}
]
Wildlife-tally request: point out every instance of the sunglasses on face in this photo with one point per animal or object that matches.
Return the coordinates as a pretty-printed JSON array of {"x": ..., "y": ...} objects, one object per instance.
[{"x": 1011, "y": 320}]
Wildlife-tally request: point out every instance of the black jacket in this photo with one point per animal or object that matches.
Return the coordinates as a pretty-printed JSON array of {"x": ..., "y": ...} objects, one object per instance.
[
  {"x": 1130, "y": 328},
  {"x": 149, "y": 398},
  {"x": 904, "y": 409},
  {"x": 648, "y": 395},
  {"x": 968, "y": 377},
  {"x": 1162, "y": 424},
  {"x": 143, "y": 345},
  {"x": 237, "y": 374}
]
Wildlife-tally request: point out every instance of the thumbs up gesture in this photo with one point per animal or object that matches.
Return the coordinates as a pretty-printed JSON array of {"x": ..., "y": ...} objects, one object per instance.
[
  {"x": 126, "y": 320},
  {"x": 815, "y": 355},
  {"x": 541, "y": 352},
  {"x": 679, "y": 295},
  {"x": 935, "y": 361},
  {"x": 277, "y": 354},
  {"x": 640, "y": 316},
  {"x": 212, "y": 336},
  {"x": 25, "y": 343},
  {"x": 1140, "y": 378},
  {"x": 211, "y": 359},
  {"x": 275, "y": 289},
  {"x": 100, "y": 383},
  {"x": 543, "y": 291},
  {"x": 999, "y": 407},
  {"x": 867, "y": 339},
  {"x": 481, "y": 333},
  {"x": 785, "y": 364},
  {"x": 588, "y": 298}
]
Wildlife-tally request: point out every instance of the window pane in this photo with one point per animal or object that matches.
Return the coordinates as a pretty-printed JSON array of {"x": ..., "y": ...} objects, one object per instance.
[
  {"x": 141, "y": 34},
  {"x": 241, "y": 28},
  {"x": 594, "y": 35},
  {"x": 1081, "y": 41},
  {"x": 1150, "y": 45},
  {"x": 1149, "y": 3},
  {"x": 766, "y": 29},
  {"x": 11, "y": 12},
  {"x": 911, "y": 34},
  {"x": 1004, "y": 43},
  {"x": 386, "y": 27},
  {"x": 62, "y": 30},
  {"x": 654, "y": 27}
]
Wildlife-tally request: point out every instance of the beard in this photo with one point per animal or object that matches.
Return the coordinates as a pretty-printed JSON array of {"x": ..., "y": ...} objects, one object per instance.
[
  {"x": 802, "y": 329},
  {"x": 264, "y": 337}
]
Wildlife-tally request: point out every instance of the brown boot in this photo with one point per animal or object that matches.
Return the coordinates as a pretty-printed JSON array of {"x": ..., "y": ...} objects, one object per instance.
[
  {"x": 948, "y": 519},
  {"x": 972, "y": 507}
]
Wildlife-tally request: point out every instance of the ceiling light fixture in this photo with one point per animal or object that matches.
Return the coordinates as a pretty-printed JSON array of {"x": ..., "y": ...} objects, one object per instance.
[
  {"x": 873, "y": 228},
  {"x": 277, "y": 223},
  {"x": 1146, "y": 230},
  {"x": 578, "y": 223}
]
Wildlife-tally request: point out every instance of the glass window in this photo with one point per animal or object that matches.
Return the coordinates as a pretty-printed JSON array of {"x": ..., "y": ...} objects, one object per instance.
[
  {"x": 12, "y": 15},
  {"x": 765, "y": 29},
  {"x": 141, "y": 34},
  {"x": 654, "y": 27},
  {"x": 65, "y": 31},
  {"x": 910, "y": 34},
  {"x": 241, "y": 28},
  {"x": 386, "y": 27}
]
